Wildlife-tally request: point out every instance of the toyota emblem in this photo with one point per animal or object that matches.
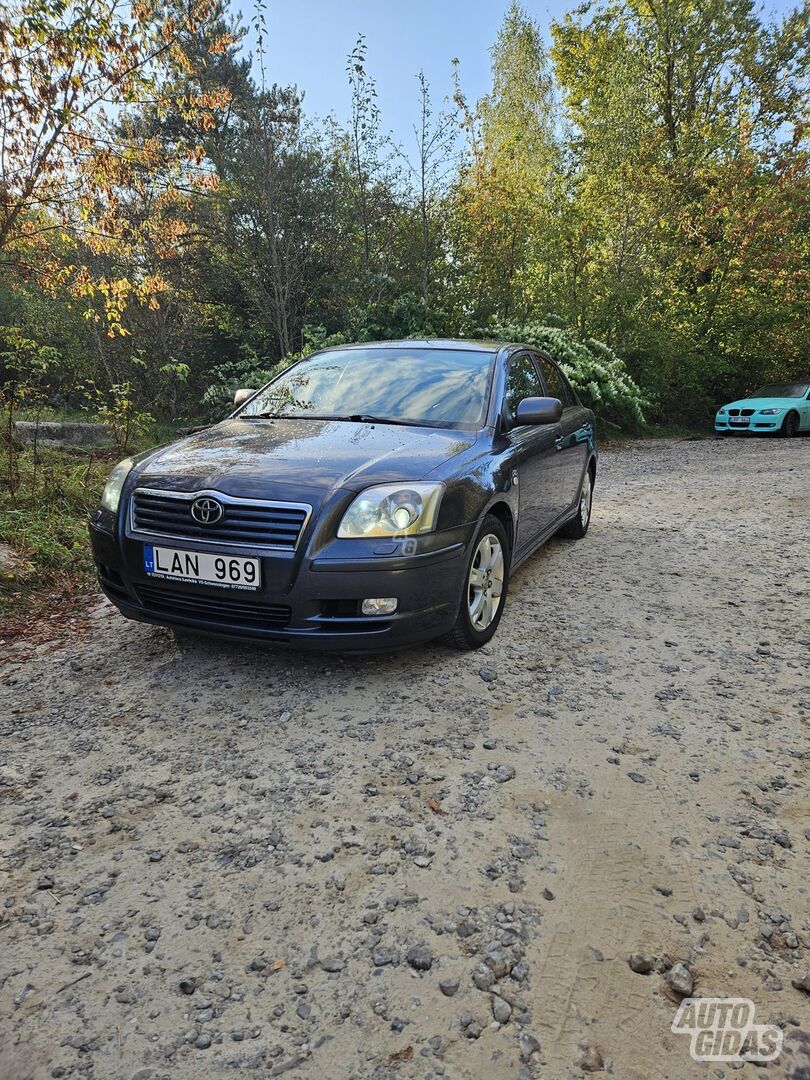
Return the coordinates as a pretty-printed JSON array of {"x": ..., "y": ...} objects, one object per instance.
[{"x": 207, "y": 511}]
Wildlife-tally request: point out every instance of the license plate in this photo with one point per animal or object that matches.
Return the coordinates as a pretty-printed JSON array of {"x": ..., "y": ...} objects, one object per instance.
[
  {"x": 742, "y": 420},
  {"x": 203, "y": 567}
]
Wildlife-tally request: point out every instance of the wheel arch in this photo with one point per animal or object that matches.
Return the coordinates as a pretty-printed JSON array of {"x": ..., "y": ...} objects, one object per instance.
[
  {"x": 503, "y": 512},
  {"x": 797, "y": 417}
]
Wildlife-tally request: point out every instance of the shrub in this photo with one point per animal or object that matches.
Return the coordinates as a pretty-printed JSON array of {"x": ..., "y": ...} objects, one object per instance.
[{"x": 598, "y": 375}]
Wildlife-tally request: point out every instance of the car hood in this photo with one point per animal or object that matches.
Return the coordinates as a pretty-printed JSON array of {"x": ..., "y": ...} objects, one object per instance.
[
  {"x": 293, "y": 458},
  {"x": 763, "y": 403}
]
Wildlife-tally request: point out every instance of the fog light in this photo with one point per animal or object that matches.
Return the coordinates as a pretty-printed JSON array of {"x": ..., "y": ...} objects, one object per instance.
[{"x": 379, "y": 605}]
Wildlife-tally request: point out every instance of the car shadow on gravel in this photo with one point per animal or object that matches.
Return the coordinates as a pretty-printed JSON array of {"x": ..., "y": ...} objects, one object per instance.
[{"x": 200, "y": 646}]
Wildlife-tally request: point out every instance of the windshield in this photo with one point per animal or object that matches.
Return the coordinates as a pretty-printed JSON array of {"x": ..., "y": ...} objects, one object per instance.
[
  {"x": 796, "y": 390},
  {"x": 436, "y": 387}
]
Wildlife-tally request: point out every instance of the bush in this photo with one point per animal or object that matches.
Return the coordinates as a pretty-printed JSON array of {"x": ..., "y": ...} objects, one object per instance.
[{"x": 598, "y": 375}]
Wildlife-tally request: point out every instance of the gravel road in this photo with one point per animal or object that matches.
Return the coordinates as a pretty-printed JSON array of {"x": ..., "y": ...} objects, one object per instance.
[{"x": 219, "y": 857}]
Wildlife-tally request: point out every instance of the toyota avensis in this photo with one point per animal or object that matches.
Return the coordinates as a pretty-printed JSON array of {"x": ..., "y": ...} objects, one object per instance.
[{"x": 370, "y": 496}]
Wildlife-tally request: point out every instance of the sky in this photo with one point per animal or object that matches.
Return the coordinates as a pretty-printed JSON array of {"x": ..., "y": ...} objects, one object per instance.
[{"x": 310, "y": 40}]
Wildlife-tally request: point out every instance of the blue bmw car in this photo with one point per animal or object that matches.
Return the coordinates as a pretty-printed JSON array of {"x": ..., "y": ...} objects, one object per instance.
[{"x": 778, "y": 408}]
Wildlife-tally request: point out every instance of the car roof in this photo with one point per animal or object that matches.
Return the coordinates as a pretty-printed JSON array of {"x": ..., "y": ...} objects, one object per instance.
[
  {"x": 801, "y": 380},
  {"x": 459, "y": 344}
]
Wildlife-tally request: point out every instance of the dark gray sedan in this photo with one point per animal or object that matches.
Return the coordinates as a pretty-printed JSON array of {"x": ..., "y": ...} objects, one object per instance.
[{"x": 370, "y": 496}]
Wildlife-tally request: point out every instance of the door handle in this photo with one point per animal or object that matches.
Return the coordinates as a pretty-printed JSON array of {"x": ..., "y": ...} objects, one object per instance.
[{"x": 558, "y": 442}]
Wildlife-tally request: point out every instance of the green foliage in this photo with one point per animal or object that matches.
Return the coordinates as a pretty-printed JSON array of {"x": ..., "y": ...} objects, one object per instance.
[
  {"x": 599, "y": 376},
  {"x": 688, "y": 192},
  {"x": 504, "y": 228},
  {"x": 121, "y": 405},
  {"x": 45, "y": 520},
  {"x": 118, "y": 409},
  {"x": 645, "y": 177},
  {"x": 27, "y": 369}
]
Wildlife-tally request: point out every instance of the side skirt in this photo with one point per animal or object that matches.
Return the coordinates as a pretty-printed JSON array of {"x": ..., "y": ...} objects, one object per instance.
[{"x": 536, "y": 542}]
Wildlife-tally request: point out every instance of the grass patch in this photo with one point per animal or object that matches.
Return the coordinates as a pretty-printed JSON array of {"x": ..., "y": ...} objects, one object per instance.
[
  {"x": 44, "y": 521},
  {"x": 44, "y": 518}
]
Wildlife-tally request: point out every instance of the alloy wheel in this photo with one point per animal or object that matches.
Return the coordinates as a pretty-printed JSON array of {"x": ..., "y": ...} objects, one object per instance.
[
  {"x": 585, "y": 500},
  {"x": 485, "y": 586}
]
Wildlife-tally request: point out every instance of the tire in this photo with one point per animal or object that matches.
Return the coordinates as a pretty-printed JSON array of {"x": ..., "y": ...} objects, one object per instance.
[
  {"x": 576, "y": 528},
  {"x": 488, "y": 561},
  {"x": 790, "y": 426}
]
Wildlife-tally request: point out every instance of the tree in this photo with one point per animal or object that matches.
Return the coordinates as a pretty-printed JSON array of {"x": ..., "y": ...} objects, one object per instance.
[
  {"x": 435, "y": 141},
  {"x": 269, "y": 210},
  {"x": 373, "y": 218},
  {"x": 510, "y": 190},
  {"x": 690, "y": 170},
  {"x": 365, "y": 139},
  {"x": 66, "y": 71}
]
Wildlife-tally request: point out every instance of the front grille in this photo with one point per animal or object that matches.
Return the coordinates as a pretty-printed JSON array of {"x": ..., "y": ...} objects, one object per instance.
[
  {"x": 214, "y": 609},
  {"x": 747, "y": 412},
  {"x": 249, "y": 522},
  {"x": 733, "y": 412}
]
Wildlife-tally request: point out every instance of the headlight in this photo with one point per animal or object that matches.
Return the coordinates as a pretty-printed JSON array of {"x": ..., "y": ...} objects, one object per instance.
[
  {"x": 393, "y": 510},
  {"x": 721, "y": 412},
  {"x": 770, "y": 412},
  {"x": 112, "y": 489}
]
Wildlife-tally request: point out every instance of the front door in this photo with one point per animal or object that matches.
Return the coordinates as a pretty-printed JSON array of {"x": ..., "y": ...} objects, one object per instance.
[
  {"x": 536, "y": 456},
  {"x": 575, "y": 430}
]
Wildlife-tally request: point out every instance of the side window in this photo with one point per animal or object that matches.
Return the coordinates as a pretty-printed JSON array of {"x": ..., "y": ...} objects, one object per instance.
[
  {"x": 522, "y": 381},
  {"x": 555, "y": 383}
]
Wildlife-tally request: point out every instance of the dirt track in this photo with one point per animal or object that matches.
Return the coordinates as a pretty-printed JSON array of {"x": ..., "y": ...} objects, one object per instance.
[{"x": 317, "y": 848}]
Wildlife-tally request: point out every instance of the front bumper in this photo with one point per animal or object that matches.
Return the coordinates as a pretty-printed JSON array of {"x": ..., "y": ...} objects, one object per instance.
[
  {"x": 756, "y": 422},
  {"x": 755, "y": 426},
  {"x": 306, "y": 601}
]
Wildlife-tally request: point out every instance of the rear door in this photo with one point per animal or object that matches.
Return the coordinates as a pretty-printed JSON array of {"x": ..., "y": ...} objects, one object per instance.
[
  {"x": 575, "y": 431},
  {"x": 540, "y": 490}
]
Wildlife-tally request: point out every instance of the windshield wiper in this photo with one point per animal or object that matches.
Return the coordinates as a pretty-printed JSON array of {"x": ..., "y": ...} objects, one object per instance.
[
  {"x": 367, "y": 418},
  {"x": 360, "y": 418},
  {"x": 273, "y": 416}
]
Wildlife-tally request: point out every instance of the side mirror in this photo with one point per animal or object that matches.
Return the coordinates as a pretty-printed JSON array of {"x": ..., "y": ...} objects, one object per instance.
[
  {"x": 241, "y": 396},
  {"x": 538, "y": 410}
]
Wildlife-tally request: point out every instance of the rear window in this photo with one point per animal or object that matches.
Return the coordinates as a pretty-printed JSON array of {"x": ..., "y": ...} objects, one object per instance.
[{"x": 555, "y": 383}]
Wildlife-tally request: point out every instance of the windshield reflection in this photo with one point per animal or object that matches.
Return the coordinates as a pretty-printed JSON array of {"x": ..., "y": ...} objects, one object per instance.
[
  {"x": 438, "y": 387},
  {"x": 781, "y": 390}
]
